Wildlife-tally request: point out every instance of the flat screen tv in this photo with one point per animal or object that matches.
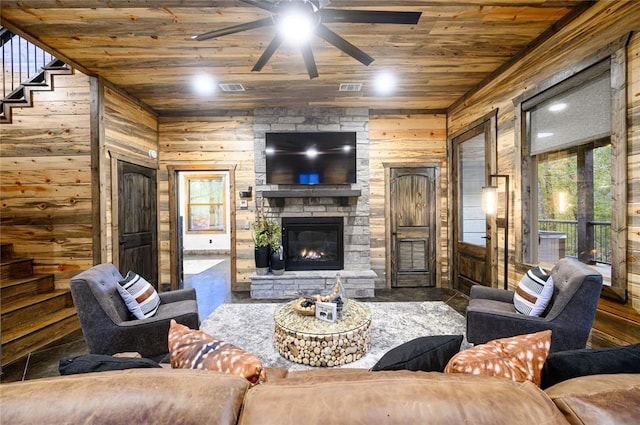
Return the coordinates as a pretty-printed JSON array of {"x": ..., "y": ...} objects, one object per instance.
[{"x": 311, "y": 158}]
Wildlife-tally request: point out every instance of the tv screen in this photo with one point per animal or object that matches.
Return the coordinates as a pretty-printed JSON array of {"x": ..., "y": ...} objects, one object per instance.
[{"x": 311, "y": 158}]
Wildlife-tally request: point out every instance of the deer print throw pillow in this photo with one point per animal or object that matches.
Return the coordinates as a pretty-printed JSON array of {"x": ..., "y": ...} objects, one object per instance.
[
  {"x": 194, "y": 349},
  {"x": 519, "y": 358}
]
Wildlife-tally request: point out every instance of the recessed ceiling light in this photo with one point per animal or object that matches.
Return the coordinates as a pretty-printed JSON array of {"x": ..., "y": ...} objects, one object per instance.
[
  {"x": 385, "y": 83},
  {"x": 544, "y": 135},
  {"x": 270, "y": 150},
  {"x": 204, "y": 84},
  {"x": 312, "y": 152},
  {"x": 557, "y": 107}
]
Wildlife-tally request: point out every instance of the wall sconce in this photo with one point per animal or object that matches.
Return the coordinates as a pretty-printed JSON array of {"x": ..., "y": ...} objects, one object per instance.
[{"x": 490, "y": 207}]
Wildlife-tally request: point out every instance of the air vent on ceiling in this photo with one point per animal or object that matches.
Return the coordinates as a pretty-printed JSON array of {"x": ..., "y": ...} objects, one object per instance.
[
  {"x": 350, "y": 87},
  {"x": 231, "y": 87}
]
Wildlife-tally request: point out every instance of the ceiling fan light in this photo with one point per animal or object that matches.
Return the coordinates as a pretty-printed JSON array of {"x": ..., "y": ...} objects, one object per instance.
[{"x": 296, "y": 26}]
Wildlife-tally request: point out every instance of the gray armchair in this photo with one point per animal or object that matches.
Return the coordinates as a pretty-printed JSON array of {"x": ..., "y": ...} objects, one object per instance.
[
  {"x": 570, "y": 314},
  {"x": 109, "y": 327}
]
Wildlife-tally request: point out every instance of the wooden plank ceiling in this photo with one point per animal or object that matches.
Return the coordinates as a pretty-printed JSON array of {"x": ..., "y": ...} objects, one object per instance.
[{"x": 145, "y": 47}]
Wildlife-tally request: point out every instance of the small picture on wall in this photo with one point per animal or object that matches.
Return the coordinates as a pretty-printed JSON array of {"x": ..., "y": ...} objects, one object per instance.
[{"x": 326, "y": 311}]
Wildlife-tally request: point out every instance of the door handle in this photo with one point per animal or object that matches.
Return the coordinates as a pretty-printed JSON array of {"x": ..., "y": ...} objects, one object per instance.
[{"x": 486, "y": 237}]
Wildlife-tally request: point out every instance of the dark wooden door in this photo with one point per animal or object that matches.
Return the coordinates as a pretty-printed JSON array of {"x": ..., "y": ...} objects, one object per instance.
[
  {"x": 412, "y": 213},
  {"x": 469, "y": 171},
  {"x": 137, "y": 221}
]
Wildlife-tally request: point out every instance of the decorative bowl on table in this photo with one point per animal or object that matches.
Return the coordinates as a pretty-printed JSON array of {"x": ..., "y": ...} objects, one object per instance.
[{"x": 305, "y": 306}]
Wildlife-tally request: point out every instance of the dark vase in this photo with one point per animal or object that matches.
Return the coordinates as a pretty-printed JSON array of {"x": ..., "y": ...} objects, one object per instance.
[
  {"x": 277, "y": 261},
  {"x": 262, "y": 259}
]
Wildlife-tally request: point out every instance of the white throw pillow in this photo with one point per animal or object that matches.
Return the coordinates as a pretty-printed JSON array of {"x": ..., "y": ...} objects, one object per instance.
[
  {"x": 141, "y": 298},
  {"x": 534, "y": 292}
]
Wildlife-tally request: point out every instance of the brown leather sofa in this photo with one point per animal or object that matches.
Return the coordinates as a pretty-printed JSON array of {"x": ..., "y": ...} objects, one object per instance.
[{"x": 320, "y": 396}]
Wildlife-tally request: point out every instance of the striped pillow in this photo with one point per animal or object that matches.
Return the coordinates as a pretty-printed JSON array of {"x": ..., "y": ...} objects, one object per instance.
[
  {"x": 533, "y": 292},
  {"x": 141, "y": 298}
]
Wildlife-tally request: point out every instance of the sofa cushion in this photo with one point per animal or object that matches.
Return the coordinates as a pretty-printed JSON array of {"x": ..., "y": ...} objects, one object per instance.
[
  {"x": 141, "y": 298},
  {"x": 599, "y": 399},
  {"x": 534, "y": 292},
  {"x": 427, "y": 353},
  {"x": 134, "y": 396},
  {"x": 519, "y": 358},
  {"x": 192, "y": 349},
  {"x": 569, "y": 364},
  {"x": 357, "y": 396}
]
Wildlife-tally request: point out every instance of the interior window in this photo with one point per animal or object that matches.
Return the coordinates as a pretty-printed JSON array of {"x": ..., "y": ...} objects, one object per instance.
[{"x": 206, "y": 209}]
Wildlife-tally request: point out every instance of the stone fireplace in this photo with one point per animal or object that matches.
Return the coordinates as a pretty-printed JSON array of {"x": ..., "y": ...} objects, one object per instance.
[{"x": 348, "y": 204}]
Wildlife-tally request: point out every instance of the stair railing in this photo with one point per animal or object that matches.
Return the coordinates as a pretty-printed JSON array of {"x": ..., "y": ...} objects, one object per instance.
[{"x": 21, "y": 61}]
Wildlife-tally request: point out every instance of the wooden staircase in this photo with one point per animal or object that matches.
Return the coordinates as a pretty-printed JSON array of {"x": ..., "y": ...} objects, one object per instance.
[
  {"x": 22, "y": 97},
  {"x": 33, "y": 313}
]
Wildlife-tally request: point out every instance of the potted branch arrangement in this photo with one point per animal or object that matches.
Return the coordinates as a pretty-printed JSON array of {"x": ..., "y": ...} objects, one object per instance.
[
  {"x": 262, "y": 250},
  {"x": 277, "y": 250},
  {"x": 268, "y": 248}
]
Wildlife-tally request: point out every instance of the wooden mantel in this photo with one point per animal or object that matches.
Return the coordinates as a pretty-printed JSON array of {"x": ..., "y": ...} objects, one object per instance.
[{"x": 342, "y": 194}]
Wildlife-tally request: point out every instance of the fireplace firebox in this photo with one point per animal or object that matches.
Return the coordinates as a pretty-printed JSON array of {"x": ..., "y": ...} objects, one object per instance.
[{"x": 313, "y": 243}]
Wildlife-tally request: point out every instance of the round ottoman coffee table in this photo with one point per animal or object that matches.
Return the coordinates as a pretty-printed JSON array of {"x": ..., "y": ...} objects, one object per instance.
[{"x": 314, "y": 342}]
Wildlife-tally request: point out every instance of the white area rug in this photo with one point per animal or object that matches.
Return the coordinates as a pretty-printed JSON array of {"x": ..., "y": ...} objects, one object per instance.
[
  {"x": 250, "y": 326},
  {"x": 198, "y": 266}
]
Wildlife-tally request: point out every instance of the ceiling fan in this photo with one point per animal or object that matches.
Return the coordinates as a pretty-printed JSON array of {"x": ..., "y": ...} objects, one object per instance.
[{"x": 308, "y": 14}]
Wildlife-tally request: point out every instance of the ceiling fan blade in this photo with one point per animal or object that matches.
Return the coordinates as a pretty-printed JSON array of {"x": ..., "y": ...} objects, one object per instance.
[
  {"x": 309, "y": 61},
  {"x": 265, "y": 5},
  {"x": 369, "y": 16},
  {"x": 264, "y": 22},
  {"x": 342, "y": 44},
  {"x": 268, "y": 52}
]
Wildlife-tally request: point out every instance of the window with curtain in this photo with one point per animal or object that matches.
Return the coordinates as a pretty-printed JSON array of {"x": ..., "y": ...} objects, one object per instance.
[
  {"x": 569, "y": 134},
  {"x": 206, "y": 206}
]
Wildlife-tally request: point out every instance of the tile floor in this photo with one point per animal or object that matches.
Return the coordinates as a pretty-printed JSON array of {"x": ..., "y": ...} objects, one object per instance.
[{"x": 212, "y": 289}]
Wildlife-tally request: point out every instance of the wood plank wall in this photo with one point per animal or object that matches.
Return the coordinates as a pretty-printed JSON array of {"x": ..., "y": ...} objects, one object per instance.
[
  {"x": 45, "y": 179},
  {"x": 207, "y": 141},
  {"x": 602, "y": 24},
  {"x": 418, "y": 139},
  {"x": 128, "y": 130}
]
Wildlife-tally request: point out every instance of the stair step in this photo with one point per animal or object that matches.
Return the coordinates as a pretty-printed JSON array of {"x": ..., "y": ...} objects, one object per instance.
[
  {"x": 19, "y": 342},
  {"x": 20, "y": 311},
  {"x": 14, "y": 268},
  {"x": 56, "y": 64},
  {"x": 35, "y": 284},
  {"x": 35, "y": 84},
  {"x": 14, "y": 100},
  {"x": 6, "y": 251}
]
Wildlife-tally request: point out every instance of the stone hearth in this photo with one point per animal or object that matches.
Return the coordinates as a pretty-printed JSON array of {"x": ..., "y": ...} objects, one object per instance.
[{"x": 292, "y": 284}]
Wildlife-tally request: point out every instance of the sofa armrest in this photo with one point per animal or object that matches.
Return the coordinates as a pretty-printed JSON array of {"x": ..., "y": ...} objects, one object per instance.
[
  {"x": 486, "y": 293},
  {"x": 599, "y": 399},
  {"x": 486, "y": 325},
  {"x": 177, "y": 295}
]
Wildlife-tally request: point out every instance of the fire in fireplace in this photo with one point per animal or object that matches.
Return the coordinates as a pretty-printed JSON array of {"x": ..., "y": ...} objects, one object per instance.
[{"x": 313, "y": 243}]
